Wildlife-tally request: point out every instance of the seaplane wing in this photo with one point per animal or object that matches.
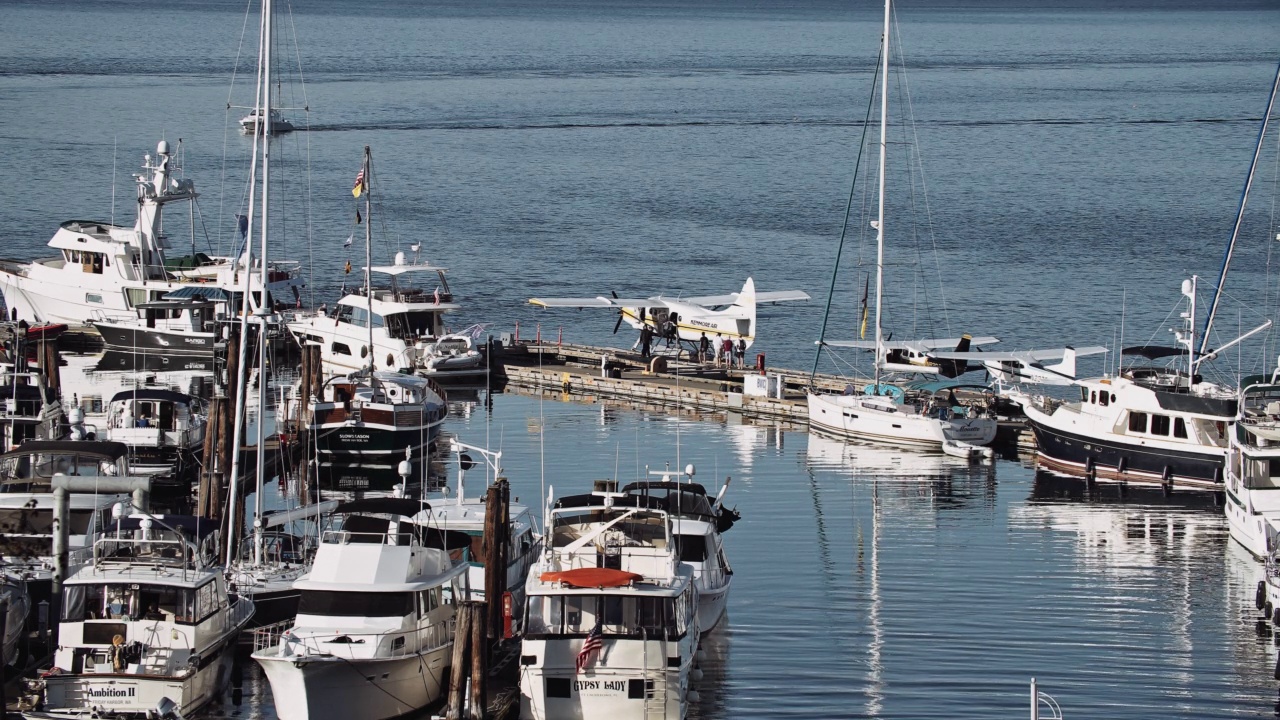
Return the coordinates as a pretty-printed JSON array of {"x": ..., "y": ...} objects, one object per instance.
[
  {"x": 599, "y": 301},
  {"x": 1026, "y": 366},
  {"x": 916, "y": 345},
  {"x": 762, "y": 298},
  {"x": 1026, "y": 356}
]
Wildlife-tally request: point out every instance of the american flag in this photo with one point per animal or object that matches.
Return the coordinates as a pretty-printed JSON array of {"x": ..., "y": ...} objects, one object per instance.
[{"x": 592, "y": 645}]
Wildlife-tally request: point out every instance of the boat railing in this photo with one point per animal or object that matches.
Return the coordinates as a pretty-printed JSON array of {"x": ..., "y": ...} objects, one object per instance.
[
  {"x": 135, "y": 551},
  {"x": 346, "y": 537},
  {"x": 1043, "y": 700},
  {"x": 385, "y": 643},
  {"x": 241, "y": 609}
]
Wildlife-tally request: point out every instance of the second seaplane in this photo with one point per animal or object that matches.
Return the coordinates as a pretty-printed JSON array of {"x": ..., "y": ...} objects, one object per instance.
[{"x": 688, "y": 319}]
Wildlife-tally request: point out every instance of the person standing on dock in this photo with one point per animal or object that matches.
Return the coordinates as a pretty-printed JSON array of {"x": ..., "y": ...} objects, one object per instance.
[
  {"x": 719, "y": 344},
  {"x": 741, "y": 352},
  {"x": 646, "y": 339},
  {"x": 726, "y": 349},
  {"x": 704, "y": 348}
]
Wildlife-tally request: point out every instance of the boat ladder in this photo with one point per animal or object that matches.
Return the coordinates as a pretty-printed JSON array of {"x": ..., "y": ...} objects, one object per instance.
[{"x": 655, "y": 684}]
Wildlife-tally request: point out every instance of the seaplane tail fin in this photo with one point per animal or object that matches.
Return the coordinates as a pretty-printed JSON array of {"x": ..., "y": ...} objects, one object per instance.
[
  {"x": 956, "y": 368},
  {"x": 1067, "y": 367},
  {"x": 747, "y": 298},
  {"x": 746, "y": 309}
]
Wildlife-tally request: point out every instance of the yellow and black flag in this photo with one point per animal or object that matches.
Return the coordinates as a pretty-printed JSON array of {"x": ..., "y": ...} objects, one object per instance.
[{"x": 862, "y": 334}]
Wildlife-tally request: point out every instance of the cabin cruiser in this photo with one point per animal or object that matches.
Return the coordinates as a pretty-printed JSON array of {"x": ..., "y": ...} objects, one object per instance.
[
  {"x": 249, "y": 123},
  {"x": 171, "y": 326},
  {"x": 374, "y": 631},
  {"x": 148, "y": 628},
  {"x": 164, "y": 430},
  {"x": 103, "y": 270},
  {"x": 369, "y": 417},
  {"x": 611, "y": 624},
  {"x": 1253, "y": 468},
  {"x": 698, "y": 521},
  {"x": 927, "y": 415},
  {"x": 408, "y": 331}
]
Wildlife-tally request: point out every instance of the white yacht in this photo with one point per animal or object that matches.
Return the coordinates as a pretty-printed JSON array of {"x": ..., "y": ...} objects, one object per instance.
[
  {"x": 103, "y": 270},
  {"x": 147, "y": 628},
  {"x": 375, "y": 623},
  {"x": 408, "y": 328},
  {"x": 611, "y": 625},
  {"x": 698, "y": 521},
  {"x": 1253, "y": 468}
]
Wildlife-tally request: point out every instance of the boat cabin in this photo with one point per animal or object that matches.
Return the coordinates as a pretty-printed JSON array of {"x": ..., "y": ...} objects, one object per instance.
[{"x": 35, "y": 462}]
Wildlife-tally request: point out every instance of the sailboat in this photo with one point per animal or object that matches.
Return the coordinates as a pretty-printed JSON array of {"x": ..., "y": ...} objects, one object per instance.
[
  {"x": 887, "y": 413},
  {"x": 373, "y": 415}
]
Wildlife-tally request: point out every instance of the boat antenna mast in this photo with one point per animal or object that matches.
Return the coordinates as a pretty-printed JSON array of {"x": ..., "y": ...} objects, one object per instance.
[
  {"x": 1235, "y": 230},
  {"x": 363, "y": 185}
]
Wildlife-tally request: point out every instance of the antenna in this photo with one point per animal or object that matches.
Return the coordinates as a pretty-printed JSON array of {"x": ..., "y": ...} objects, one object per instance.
[{"x": 115, "y": 142}]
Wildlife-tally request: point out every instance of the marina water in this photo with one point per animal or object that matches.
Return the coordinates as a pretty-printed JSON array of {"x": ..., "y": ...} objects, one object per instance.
[{"x": 1079, "y": 156}]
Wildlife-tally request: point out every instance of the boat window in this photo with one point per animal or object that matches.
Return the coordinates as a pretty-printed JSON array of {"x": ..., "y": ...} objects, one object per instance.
[
  {"x": 93, "y": 298},
  {"x": 693, "y": 548},
  {"x": 1273, "y": 467},
  {"x": 341, "y": 349},
  {"x": 335, "y": 603},
  {"x": 429, "y": 600},
  {"x": 344, "y": 313},
  {"x": 580, "y": 612},
  {"x": 1084, "y": 394},
  {"x": 411, "y": 325},
  {"x": 1160, "y": 425},
  {"x": 134, "y": 296},
  {"x": 39, "y": 521},
  {"x": 1137, "y": 422},
  {"x": 1093, "y": 397},
  {"x": 1102, "y": 399},
  {"x": 360, "y": 316},
  {"x": 1180, "y": 428}
]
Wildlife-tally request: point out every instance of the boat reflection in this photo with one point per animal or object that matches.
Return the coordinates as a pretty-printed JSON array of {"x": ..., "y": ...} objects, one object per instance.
[
  {"x": 712, "y": 689},
  {"x": 126, "y": 361}
]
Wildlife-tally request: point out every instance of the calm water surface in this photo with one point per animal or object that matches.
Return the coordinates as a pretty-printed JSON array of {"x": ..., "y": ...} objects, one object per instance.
[{"x": 1076, "y": 153}]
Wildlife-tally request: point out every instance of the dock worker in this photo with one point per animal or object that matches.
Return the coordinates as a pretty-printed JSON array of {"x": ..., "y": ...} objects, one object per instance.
[{"x": 704, "y": 348}]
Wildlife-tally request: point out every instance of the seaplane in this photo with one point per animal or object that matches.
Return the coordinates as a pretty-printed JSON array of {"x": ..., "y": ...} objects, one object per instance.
[
  {"x": 731, "y": 316},
  {"x": 920, "y": 356},
  {"x": 1025, "y": 366}
]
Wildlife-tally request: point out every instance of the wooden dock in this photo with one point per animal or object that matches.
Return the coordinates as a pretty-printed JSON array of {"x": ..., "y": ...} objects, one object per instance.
[{"x": 664, "y": 381}]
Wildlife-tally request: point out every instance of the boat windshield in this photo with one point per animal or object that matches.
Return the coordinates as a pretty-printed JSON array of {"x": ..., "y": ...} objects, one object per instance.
[
  {"x": 33, "y": 466},
  {"x": 651, "y": 617},
  {"x": 413, "y": 325},
  {"x": 140, "y": 601}
]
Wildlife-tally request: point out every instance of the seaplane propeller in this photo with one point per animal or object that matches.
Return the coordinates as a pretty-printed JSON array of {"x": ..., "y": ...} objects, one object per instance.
[{"x": 620, "y": 313}]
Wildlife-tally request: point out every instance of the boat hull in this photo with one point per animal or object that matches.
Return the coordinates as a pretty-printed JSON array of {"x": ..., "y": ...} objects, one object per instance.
[
  {"x": 603, "y": 695},
  {"x": 314, "y": 688},
  {"x": 126, "y": 338},
  {"x": 357, "y": 442},
  {"x": 1114, "y": 460},
  {"x": 125, "y": 695}
]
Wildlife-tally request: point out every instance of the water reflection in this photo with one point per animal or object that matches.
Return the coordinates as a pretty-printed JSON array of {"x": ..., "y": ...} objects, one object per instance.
[{"x": 712, "y": 689}]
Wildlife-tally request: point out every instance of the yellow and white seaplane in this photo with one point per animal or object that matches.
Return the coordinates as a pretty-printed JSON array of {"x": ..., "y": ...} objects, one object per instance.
[{"x": 731, "y": 316}]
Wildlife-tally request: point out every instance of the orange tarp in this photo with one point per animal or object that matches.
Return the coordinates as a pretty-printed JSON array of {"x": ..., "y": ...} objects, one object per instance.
[{"x": 592, "y": 577}]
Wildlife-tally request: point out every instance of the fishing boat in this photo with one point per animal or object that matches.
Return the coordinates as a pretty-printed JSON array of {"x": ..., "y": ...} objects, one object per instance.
[
  {"x": 148, "y": 627},
  {"x": 375, "y": 623},
  {"x": 103, "y": 270},
  {"x": 611, "y": 625},
  {"x": 1163, "y": 426},
  {"x": 698, "y": 522},
  {"x": 883, "y": 412}
]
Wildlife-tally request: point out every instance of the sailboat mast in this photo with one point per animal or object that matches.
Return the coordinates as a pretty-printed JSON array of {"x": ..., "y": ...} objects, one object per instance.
[
  {"x": 884, "y": 125},
  {"x": 368, "y": 255},
  {"x": 233, "y": 489},
  {"x": 264, "y": 120}
]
